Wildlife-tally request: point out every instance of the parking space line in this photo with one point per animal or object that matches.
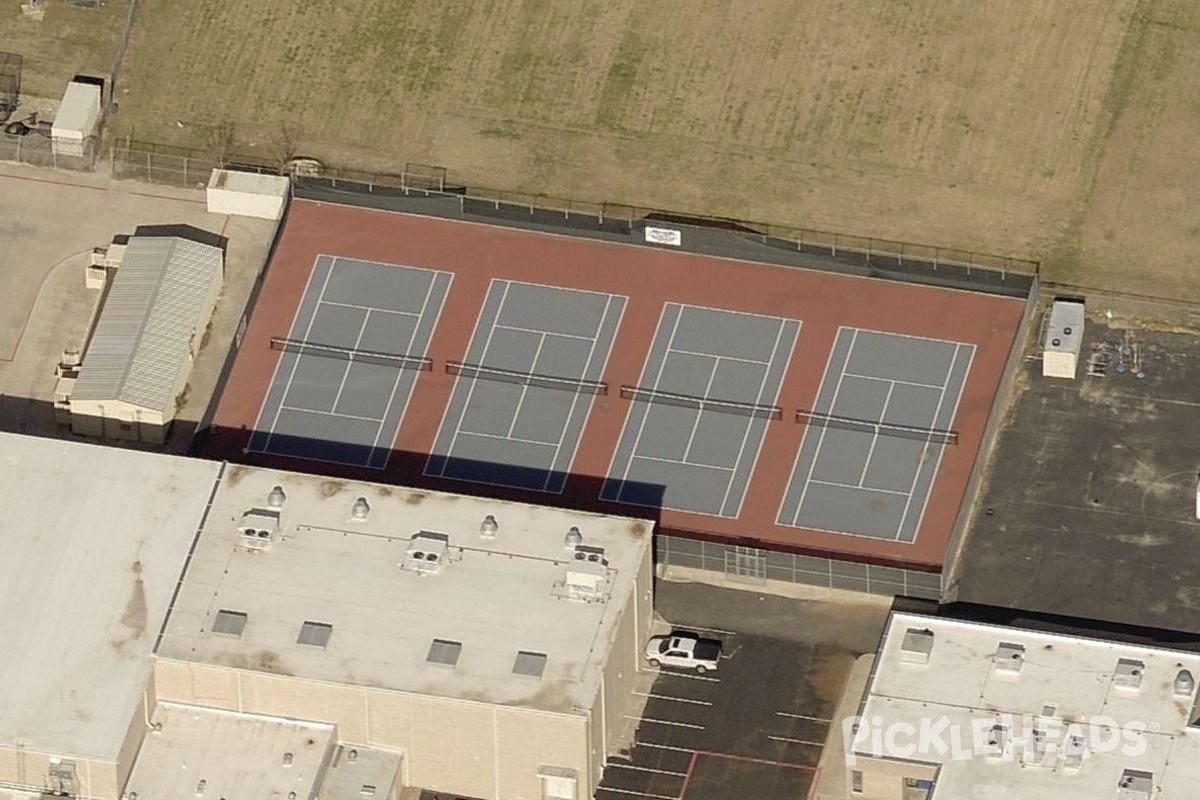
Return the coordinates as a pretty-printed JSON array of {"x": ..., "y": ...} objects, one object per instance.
[
  {"x": 635, "y": 793},
  {"x": 636, "y": 718},
  {"x": 671, "y": 747},
  {"x": 752, "y": 760},
  {"x": 675, "y": 699},
  {"x": 623, "y": 765},
  {"x": 795, "y": 741},
  {"x": 801, "y": 716},
  {"x": 689, "y": 676}
]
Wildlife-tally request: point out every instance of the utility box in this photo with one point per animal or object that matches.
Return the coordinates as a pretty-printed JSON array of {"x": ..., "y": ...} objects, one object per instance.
[
  {"x": 77, "y": 119},
  {"x": 247, "y": 194},
  {"x": 1063, "y": 340}
]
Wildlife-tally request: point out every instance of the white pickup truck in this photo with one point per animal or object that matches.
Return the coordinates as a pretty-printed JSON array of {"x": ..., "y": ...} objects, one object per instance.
[{"x": 684, "y": 650}]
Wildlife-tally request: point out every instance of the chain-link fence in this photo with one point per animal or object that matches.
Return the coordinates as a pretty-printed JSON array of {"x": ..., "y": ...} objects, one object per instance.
[{"x": 37, "y": 150}]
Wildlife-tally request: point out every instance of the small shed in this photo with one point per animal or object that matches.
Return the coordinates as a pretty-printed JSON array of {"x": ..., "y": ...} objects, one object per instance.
[
  {"x": 246, "y": 194},
  {"x": 1063, "y": 340},
  {"x": 134, "y": 375},
  {"x": 77, "y": 118}
]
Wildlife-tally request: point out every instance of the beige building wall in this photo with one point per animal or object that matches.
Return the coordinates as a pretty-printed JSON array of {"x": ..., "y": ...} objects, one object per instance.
[
  {"x": 116, "y": 419},
  {"x": 884, "y": 779},
  {"x": 95, "y": 778},
  {"x": 455, "y": 746}
]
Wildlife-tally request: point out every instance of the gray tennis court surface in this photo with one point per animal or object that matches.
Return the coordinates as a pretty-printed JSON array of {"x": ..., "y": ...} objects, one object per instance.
[
  {"x": 339, "y": 409},
  {"x": 506, "y": 430},
  {"x": 872, "y": 483},
  {"x": 700, "y": 458}
]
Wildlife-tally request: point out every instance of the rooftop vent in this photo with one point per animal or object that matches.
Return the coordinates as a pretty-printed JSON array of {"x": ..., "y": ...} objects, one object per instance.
[
  {"x": 361, "y": 509},
  {"x": 997, "y": 741},
  {"x": 1035, "y": 747},
  {"x": 259, "y": 528},
  {"x": 1135, "y": 784},
  {"x": 1128, "y": 677},
  {"x": 444, "y": 652},
  {"x": 276, "y": 497},
  {"x": 916, "y": 646},
  {"x": 315, "y": 634},
  {"x": 573, "y": 538},
  {"x": 230, "y": 623},
  {"x": 594, "y": 555},
  {"x": 427, "y": 552},
  {"x": 488, "y": 528},
  {"x": 1074, "y": 750},
  {"x": 529, "y": 664},
  {"x": 1185, "y": 684},
  {"x": 1008, "y": 658}
]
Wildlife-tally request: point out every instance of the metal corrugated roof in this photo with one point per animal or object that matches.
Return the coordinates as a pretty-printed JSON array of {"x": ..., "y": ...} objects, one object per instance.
[{"x": 145, "y": 330}]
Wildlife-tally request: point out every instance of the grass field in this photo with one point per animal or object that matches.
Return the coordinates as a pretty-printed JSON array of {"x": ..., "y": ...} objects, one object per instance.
[
  {"x": 1051, "y": 129},
  {"x": 67, "y": 42}
]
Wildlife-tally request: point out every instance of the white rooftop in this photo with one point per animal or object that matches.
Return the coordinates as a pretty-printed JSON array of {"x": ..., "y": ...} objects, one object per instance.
[
  {"x": 92, "y": 542},
  {"x": 248, "y": 182},
  {"x": 1059, "y": 685},
  {"x": 381, "y": 608},
  {"x": 150, "y": 317},
  {"x": 212, "y": 755},
  {"x": 78, "y": 110}
]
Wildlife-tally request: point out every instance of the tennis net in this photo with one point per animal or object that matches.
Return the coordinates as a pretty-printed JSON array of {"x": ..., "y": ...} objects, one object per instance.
[
  {"x": 936, "y": 435},
  {"x": 349, "y": 354},
  {"x": 753, "y": 410},
  {"x": 576, "y": 385}
]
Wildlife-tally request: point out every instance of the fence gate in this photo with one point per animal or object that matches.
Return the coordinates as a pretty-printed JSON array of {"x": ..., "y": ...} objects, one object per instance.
[{"x": 745, "y": 564}]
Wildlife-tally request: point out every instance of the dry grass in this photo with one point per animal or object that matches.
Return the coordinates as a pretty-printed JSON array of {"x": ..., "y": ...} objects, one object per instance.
[
  {"x": 68, "y": 41},
  {"x": 1031, "y": 129}
]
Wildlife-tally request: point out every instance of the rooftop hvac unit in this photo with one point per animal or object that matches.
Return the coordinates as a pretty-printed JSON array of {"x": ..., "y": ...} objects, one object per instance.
[
  {"x": 259, "y": 529},
  {"x": 1135, "y": 784},
  {"x": 1063, "y": 340},
  {"x": 62, "y": 777},
  {"x": 1008, "y": 658},
  {"x": 595, "y": 555},
  {"x": 427, "y": 552},
  {"x": 917, "y": 646},
  {"x": 1128, "y": 677}
]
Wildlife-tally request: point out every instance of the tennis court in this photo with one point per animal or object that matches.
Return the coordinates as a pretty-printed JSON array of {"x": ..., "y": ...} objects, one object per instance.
[
  {"x": 706, "y": 395},
  {"x": 349, "y": 362},
  {"x": 883, "y": 416},
  {"x": 523, "y": 392}
]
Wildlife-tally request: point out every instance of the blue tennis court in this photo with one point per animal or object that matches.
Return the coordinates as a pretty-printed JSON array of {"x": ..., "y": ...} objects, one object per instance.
[{"x": 349, "y": 362}]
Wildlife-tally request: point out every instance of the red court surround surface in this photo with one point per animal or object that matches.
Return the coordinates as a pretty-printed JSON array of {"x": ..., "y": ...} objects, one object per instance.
[{"x": 649, "y": 277}]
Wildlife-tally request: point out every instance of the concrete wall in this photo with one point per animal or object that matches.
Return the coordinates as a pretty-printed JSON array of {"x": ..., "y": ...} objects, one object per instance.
[
  {"x": 884, "y": 779},
  {"x": 454, "y": 746},
  {"x": 96, "y": 778},
  {"x": 247, "y": 195}
]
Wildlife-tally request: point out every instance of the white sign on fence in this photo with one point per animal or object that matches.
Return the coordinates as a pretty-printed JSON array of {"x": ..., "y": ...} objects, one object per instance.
[{"x": 664, "y": 236}]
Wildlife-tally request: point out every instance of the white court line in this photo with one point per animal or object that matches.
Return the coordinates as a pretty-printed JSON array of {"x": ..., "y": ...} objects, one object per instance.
[
  {"x": 474, "y": 380},
  {"x": 295, "y": 364},
  {"x": 912, "y": 486},
  {"x": 672, "y": 698},
  {"x": 758, "y": 400},
  {"x": 677, "y": 461},
  {"x": 832, "y": 409},
  {"x": 333, "y": 414},
  {"x": 941, "y": 449},
  {"x": 362, "y": 329},
  {"x": 712, "y": 376},
  {"x": 673, "y": 724},
  {"x": 726, "y": 358},
  {"x": 658, "y": 377},
  {"x": 543, "y": 333},
  {"x": 409, "y": 349},
  {"x": 505, "y": 438},
  {"x": 525, "y": 386},
  {"x": 910, "y": 335},
  {"x": 893, "y": 380},
  {"x": 586, "y": 367},
  {"x": 373, "y": 308},
  {"x": 862, "y": 476},
  {"x": 819, "y": 482}
]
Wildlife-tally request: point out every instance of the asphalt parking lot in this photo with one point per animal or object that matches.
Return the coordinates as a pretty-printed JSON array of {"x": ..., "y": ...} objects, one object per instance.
[{"x": 756, "y": 728}]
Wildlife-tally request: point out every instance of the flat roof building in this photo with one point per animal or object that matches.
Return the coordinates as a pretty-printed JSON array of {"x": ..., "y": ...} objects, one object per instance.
[
  {"x": 493, "y": 644},
  {"x": 967, "y": 711},
  {"x": 92, "y": 542},
  {"x": 159, "y": 610}
]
